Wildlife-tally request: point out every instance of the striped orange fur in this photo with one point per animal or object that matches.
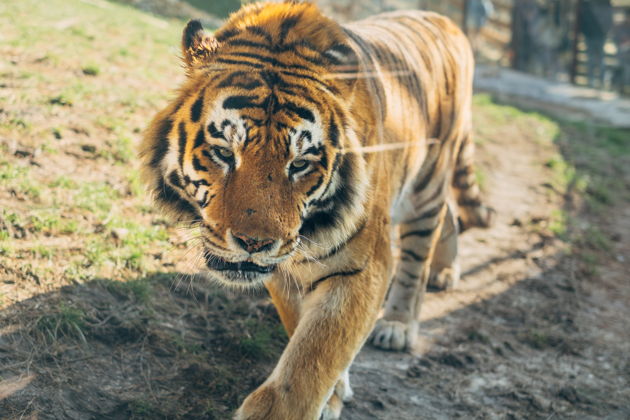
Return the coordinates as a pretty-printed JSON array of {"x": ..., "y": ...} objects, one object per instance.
[{"x": 294, "y": 146}]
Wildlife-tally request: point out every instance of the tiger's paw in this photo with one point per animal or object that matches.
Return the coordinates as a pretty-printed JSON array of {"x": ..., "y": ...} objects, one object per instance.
[
  {"x": 394, "y": 335},
  {"x": 486, "y": 216},
  {"x": 480, "y": 216},
  {"x": 341, "y": 393},
  {"x": 262, "y": 404},
  {"x": 445, "y": 278},
  {"x": 332, "y": 410}
]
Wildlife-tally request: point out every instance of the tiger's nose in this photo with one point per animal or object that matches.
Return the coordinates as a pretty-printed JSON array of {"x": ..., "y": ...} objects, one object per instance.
[{"x": 252, "y": 245}]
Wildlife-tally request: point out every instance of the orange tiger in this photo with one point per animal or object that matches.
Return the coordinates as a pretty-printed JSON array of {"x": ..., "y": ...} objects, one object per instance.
[{"x": 295, "y": 145}]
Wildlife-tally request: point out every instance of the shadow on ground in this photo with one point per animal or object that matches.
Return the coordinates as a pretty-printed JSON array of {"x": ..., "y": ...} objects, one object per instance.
[{"x": 157, "y": 347}]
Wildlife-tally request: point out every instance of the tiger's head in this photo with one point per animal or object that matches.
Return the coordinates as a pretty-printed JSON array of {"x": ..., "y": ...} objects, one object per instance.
[{"x": 252, "y": 150}]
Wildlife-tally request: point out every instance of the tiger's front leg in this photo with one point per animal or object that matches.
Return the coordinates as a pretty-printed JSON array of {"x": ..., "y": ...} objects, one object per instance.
[{"x": 336, "y": 318}]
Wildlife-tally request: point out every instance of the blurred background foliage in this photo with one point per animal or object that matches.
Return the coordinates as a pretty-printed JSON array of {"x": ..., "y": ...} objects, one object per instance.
[{"x": 586, "y": 42}]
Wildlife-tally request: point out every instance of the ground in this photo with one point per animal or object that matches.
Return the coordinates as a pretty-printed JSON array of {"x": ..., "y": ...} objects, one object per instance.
[{"x": 102, "y": 316}]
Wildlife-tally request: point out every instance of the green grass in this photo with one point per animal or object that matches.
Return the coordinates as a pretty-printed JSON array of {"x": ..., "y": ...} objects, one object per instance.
[
  {"x": 558, "y": 223},
  {"x": 44, "y": 251},
  {"x": 50, "y": 222},
  {"x": 595, "y": 239},
  {"x": 65, "y": 321},
  {"x": 6, "y": 249},
  {"x": 128, "y": 253},
  {"x": 10, "y": 220},
  {"x": 10, "y": 172},
  {"x": 131, "y": 249},
  {"x": 76, "y": 272},
  {"x": 94, "y": 25},
  {"x": 49, "y": 147},
  {"x": 65, "y": 182},
  {"x": 119, "y": 150},
  {"x": 45, "y": 220},
  {"x": 63, "y": 99},
  {"x": 91, "y": 70},
  {"x": 259, "y": 339},
  {"x": 480, "y": 176},
  {"x": 185, "y": 347},
  {"x": 11, "y": 217},
  {"x": 142, "y": 409},
  {"x": 139, "y": 290},
  {"x": 599, "y": 157},
  {"x": 17, "y": 178},
  {"x": 136, "y": 186},
  {"x": 493, "y": 115},
  {"x": 540, "y": 340},
  {"x": 94, "y": 58},
  {"x": 219, "y": 8},
  {"x": 97, "y": 197},
  {"x": 57, "y": 133}
]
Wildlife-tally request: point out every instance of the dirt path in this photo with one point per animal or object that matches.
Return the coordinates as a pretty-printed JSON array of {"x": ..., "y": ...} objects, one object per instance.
[{"x": 528, "y": 333}]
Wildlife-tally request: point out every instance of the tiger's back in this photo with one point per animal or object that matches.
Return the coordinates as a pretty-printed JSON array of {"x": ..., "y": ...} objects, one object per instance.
[{"x": 420, "y": 67}]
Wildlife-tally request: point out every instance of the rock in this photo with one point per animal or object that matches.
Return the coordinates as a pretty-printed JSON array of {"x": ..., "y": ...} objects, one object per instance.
[{"x": 88, "y": 148}]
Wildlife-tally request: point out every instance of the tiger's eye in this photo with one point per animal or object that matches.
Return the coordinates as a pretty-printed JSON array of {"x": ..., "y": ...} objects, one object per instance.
[
  {"x": 299, "y": 164},
  {"x": 226, "y": 153}
]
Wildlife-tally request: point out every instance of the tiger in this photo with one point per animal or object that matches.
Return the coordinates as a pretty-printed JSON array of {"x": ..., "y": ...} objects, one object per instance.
[{"x": 303, "y": 151}]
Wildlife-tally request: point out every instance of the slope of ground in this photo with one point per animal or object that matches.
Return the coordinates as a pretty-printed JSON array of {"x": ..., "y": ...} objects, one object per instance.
[{"x": 100, "y": 316}]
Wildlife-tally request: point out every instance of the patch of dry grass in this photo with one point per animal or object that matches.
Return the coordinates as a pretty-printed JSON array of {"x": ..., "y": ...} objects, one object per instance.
[{"x": 79, "y": 82}]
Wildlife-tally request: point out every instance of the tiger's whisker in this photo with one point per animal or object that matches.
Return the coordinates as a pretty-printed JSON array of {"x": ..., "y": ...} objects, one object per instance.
[
  {"x": 389, "y": 146},
  {"x": 311, "y": 241},
  {"x": 373, "y": 74}
]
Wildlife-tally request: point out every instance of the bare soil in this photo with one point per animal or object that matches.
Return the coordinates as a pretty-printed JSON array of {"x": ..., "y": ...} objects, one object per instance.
[{"x": 91, "y": 329}]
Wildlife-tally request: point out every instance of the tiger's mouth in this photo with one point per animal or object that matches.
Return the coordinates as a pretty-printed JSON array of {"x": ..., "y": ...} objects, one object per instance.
[{"x": 246, "y": 267}]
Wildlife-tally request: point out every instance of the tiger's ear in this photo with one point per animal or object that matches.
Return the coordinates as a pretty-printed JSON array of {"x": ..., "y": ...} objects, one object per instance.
[{"x": 197, "y": 44}]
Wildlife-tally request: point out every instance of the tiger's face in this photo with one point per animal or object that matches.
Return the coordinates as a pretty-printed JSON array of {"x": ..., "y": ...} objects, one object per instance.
[
  {"x": 254, "y": 163},
  {"x": 252, "y": 151}
]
